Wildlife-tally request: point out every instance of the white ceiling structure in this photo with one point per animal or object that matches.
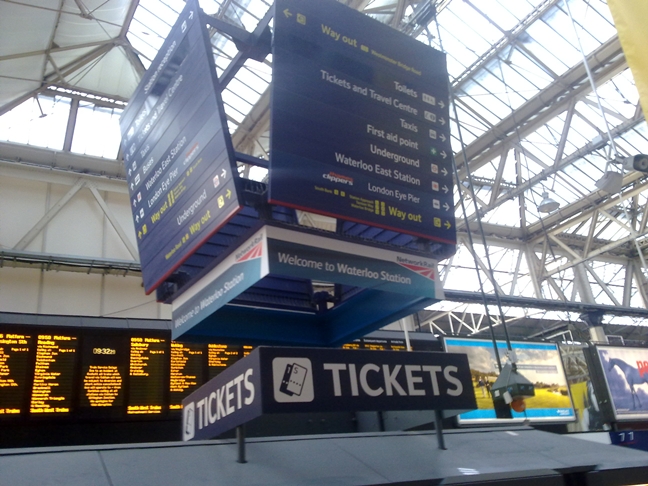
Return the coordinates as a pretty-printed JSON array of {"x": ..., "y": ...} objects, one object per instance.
[{"x": 543, "y": 105}]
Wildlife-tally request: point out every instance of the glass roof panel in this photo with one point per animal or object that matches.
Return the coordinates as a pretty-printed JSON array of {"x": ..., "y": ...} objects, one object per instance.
[
  {"x": 96, "y": 131},
  {"x": 593, "y": 22},
  {"x": 143, "y": 42},
  {"x": 580, "y": 134},
  {"x": 244, "y": 91},
  {"x": 39, "y": 121},
  {"x": 478, "y": 29},
  {"x": 506, "y": 214},
  {"x": 459, "y": 56},
  {"x": 586, "y": 171},
  {"x": 501, "y": 14},
  {"x": 477, "y": 98},
  {"x": 636, "y": 140},
  {"x": 558, "y": 54}
]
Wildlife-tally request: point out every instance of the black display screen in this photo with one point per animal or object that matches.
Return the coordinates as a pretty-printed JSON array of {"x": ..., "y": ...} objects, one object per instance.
[
  {"x": 15, "y": 351},
  {"x": 54, "y": 373},
  {"x": 90, "y": 374}
]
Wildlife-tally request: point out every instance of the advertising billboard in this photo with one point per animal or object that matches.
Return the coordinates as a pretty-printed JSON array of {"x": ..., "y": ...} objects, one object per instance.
[
  {"x": 590, "y": 415},
  {"x": 625, "y": 372},
  {"x": 540, "y": 363}
]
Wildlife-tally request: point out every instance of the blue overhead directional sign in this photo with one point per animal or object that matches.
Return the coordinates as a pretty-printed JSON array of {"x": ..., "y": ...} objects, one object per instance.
[
  {"x": 179, "y": 159},
  {"x": 359, "y": 121}
]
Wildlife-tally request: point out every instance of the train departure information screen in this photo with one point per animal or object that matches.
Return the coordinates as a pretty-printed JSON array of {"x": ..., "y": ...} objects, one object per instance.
[
  {"x": 14, "y": 363},
  {"x": 186, "y": 371},
  {"x": 103, "y": 368},
  {"x": 53, "y": 374},
  {"x": 106, "y": 374},
  {"x": 148, "y": 367},
  {"x": 220, "y": 356}
]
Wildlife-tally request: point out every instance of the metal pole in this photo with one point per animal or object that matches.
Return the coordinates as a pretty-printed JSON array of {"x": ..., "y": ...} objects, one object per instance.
[
  {"x": 438, "y": 425},
  {"x": 403, "y": 324},
  {"x": 240, "y": 442}
]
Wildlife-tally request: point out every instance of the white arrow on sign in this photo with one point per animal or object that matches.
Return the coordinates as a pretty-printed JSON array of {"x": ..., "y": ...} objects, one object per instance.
[
  {"x": 442, "y": 121},
  {"x": 443, "y": 154},
  {"x": 445, "y": 189},
  {"x": 443, "y": 137},
  {"x": 446, "y": 206},
  {"x": 224, "y": 173},
  {"x": 441, "y": 104},
  {"x": 287, "y": 13},
  {"x": 444, "y": 171}
]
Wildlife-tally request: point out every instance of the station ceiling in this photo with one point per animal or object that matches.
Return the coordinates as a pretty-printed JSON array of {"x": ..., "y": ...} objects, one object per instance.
[{"x": 543, "y": 106}]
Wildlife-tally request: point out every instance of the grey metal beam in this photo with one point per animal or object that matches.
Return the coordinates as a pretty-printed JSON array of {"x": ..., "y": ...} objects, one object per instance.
[
  {"x": 241, "y": 56},
  {"x": 584, "y": 210},
  {"x": 67, "y": 263},
  {"x": 38, "y": 227},
  {"x": 114, "y": 222},
  {"x": 128, "y": 18},
  {"x": 71, "y": 124},
  {"x": 554, "y": 305},
  {"x": 602, "y": 284},
  {"x": 608, "y": 60}
]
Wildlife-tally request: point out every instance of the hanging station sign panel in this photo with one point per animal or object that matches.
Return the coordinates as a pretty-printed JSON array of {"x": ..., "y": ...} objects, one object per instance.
[
  {"x": 359, "y": 121},
  {"x": 178, "y": 154}
]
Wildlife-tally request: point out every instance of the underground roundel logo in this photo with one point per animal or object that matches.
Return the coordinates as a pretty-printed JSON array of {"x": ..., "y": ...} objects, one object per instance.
[{"x": 292, "y": 380}]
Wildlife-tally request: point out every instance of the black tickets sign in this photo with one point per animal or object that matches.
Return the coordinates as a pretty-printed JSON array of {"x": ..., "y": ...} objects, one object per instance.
[{"x": 286, "y": 380}]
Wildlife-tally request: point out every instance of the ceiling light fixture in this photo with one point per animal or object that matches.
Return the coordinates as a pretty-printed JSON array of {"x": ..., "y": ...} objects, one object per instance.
[{"x": 547, "y": 205}]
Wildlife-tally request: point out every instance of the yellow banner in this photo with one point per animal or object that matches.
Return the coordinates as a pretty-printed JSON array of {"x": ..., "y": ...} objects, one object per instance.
[{"x": 631, "y": 19}]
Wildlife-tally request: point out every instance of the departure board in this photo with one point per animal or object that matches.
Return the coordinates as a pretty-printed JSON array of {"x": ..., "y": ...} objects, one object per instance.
[
  {"x": 377, "y": 344},
  {"x": 354, "y": 345},
  {"x": 186, "y": 371},
  {"x": 103, "y": 372},
  {"x": 148, "y": 368},
  {"x": 384, "y": 344},
  {"x": 14, "y": 364},
  {"x": 220, "y": 356},
  {"x": 54, "y": 368}
]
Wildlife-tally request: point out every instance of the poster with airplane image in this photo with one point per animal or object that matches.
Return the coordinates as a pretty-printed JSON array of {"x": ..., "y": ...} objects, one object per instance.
[{"x": 626, "y": 376}]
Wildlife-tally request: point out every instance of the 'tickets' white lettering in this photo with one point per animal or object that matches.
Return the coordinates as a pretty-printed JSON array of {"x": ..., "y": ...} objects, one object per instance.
[
  {"x": 418, "y": 380},
  {"x": 226, "y": 400}
]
